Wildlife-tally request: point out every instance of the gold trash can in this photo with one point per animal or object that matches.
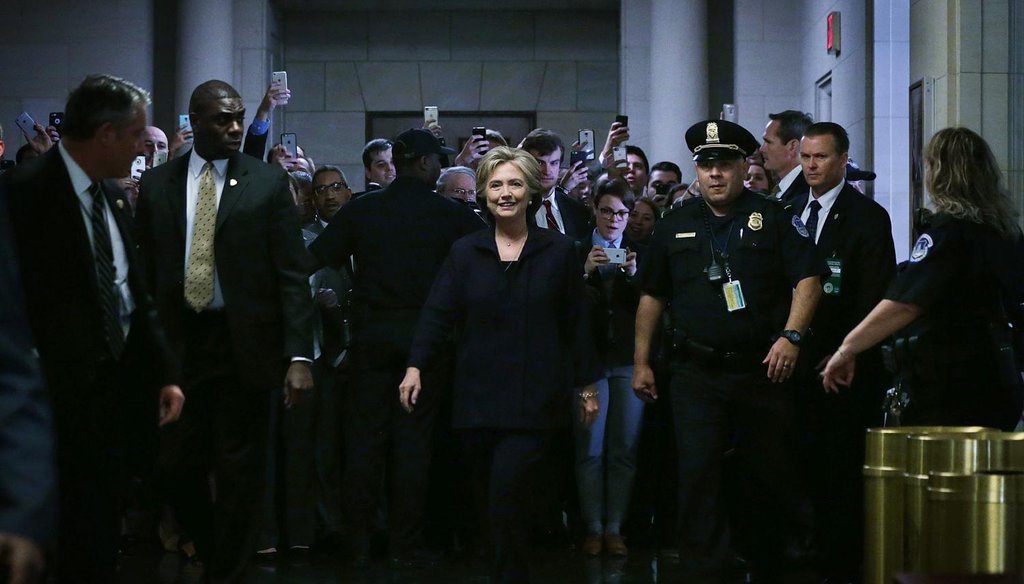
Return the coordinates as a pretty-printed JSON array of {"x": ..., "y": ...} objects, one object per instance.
[
  {"x": 884, "y": 469},
  {"x": 975, "y": 523},
  {"x": 1005, "y": 450},
  {"x": 957, "y": 453}
]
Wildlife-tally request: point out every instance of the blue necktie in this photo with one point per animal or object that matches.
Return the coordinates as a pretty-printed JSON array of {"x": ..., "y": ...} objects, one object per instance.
[{"x": 812, "y": 219}]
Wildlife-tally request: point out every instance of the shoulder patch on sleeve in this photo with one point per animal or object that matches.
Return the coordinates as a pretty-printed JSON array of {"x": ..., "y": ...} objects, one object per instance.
[
  {"x": 920, "y": 251},
  {"x": 799, "y": 226}
]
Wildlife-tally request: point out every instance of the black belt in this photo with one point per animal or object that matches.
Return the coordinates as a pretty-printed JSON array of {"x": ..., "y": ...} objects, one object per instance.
[{"x": 711, "y": 357}]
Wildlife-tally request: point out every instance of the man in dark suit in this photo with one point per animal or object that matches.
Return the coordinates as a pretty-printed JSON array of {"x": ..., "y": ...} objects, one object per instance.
[
  {"x": 558, "y": 210},
  {"x": 28, "y": 480},
  {"x": 399, "y": 236},
  {"x": 854, "y": 237},
  {"x": 100, "y": 346},
  {"x": 781, "y": 151},
  {"x": 225, "y": 256}
]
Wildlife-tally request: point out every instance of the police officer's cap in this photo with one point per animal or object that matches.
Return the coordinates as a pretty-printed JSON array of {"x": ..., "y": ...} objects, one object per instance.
[
  {"x": 719, "y": 140},
  {"x": 416, "y": 142}
]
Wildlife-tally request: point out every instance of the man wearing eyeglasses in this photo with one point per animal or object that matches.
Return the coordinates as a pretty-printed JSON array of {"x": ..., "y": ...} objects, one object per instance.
[
  {"x": 330, "y": 192},
  {"x": 458, "y": 183}
]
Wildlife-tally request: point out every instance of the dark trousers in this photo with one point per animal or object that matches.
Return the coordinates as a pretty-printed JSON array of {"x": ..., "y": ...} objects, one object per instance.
[
  {"x": 289, "y": 508},
  {"x": 741, "y": 411},
  {"x": 504, "y": 467},
  {"x": 89, "y": 470},
  {"x": 222, "y": 432},
  {"x": 378, "y": 433}
]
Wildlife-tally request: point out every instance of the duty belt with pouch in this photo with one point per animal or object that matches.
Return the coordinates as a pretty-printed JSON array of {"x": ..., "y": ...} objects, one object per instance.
[{"x": 896, "y": 356}]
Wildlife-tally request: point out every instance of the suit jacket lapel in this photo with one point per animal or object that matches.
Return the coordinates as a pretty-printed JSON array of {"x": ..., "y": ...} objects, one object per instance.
[
  {"x": 177, "y": 192},
  {"x": 234, "y": 185},
  {"x": 67, "y": 209},
  {"x": 833, "y": 222}
]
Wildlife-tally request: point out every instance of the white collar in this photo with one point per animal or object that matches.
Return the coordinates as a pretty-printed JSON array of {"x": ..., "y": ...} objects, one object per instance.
[
  {"x": 197, "y": 162},
  {"x": 827, "y": 199},
  {"x": 80, "y": 181},
  {"x": 787, "y": 180}
]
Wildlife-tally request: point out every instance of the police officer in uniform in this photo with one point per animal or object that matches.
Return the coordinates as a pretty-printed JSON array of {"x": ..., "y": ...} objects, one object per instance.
[
  {"x": 741, "y": 277},
  {"x": 952, "y": 304},
  {"x": 398, "y": 236}
]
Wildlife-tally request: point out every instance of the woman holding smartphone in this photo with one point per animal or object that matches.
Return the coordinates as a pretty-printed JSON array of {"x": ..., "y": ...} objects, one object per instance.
[{"x": 606, "y": 449}]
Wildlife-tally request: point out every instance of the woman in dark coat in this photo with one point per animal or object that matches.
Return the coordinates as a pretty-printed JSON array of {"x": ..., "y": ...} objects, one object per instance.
[
  {"x": 952, "y": 305},
  {"x": 513, "y": 298}
]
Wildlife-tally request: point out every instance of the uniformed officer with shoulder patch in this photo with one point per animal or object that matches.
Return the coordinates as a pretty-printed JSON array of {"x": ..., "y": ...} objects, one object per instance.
[{"x": 742, "y": 279}]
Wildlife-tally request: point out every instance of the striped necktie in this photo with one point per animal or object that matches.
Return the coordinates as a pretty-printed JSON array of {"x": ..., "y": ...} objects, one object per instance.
[
  {"x": 552, "y": 222},
  {"x": 103, "y": 253}
]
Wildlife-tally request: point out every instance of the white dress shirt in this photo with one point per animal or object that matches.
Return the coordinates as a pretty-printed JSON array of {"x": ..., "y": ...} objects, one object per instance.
[
  {"x": 787, "y": 181},
  {"x": 542, "y": 212},
  {"x": 81, "y": 182},
  {"x": 195, "y": 170},
  {"x": 826, "y": 201}
]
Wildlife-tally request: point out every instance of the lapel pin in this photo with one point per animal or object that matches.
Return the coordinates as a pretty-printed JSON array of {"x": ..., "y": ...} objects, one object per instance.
[
  {"x": 232, "y": 182},
  {"x": 120, "y": 203},
  {"x": 836, "y": 216}
]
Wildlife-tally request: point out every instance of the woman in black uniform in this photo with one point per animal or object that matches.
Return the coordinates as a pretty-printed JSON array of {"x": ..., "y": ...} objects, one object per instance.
[{"x": 952, "y": 304}]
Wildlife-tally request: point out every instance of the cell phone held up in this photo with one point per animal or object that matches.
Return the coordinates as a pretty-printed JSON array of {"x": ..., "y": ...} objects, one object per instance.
[
  {"x": 616, "y": 255},
  {"x": 138, "y": 167},
  {"x": 290, "y": 143},
  {"x": 26, "y": 123},
  {"x": 57, "y": 121},
  {"x": 279, "y": 78}
]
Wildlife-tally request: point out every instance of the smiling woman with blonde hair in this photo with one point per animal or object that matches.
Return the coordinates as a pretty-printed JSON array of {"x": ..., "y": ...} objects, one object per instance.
[{"x": 513, "y": 298}]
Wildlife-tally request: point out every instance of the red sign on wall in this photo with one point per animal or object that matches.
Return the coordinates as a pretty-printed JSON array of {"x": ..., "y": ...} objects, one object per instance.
[{"x": 832, "y": 40}]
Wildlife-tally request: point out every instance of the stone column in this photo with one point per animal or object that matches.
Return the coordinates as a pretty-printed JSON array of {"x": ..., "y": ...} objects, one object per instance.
[
  {"x": 206, "y": 45},
  {"x": 679, "y": 75}
]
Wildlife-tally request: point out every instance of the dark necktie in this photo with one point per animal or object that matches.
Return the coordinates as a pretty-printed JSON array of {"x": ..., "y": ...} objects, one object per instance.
[
  {"x": 105, "y": 274},
  {"x": 552, "y": 223},
  {"x": 812, "y": 219}
]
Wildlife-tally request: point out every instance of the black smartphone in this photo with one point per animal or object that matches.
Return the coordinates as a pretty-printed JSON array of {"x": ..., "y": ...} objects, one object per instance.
[
  {"x": 579, "y": 156},
  {"x": 57, "y": 121},
  {"x": 480, "y": 131},
  {"x": 624, "y": 120}
]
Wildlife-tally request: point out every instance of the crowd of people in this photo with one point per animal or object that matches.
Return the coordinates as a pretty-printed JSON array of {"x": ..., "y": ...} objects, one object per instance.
[{"x": 484, "y": 349}]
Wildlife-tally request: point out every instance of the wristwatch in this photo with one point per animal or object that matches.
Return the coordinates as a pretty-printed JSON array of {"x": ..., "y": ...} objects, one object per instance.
[{"x": 792, "y": 336}]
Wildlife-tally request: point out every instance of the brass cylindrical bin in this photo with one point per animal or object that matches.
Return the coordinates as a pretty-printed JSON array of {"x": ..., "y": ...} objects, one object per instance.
[
  {"x": 975, "y": 523},
  {"x": 943, "y": 453},
  {"x": 884, "y": 469},
  {"x": 1005, "y": 450}
]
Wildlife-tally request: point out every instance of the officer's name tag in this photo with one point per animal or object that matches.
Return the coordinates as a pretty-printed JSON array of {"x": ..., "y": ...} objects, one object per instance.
[
  {"x": 734, "y": 296},
  {"x": 832, "y": 284},
  {"x": 686, "y": 235}
]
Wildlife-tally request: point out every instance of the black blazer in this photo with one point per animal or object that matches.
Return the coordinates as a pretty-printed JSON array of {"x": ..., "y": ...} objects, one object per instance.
[
  {"x": 59, "y": 276},
  {"x": 260, "y": 259},
  {"x": 858, "y": 231},
  {"x": 577, "y": 218},
  {"x": 615, "y": 297},
  {"x": 522, "y": 334},
  {"x": 798, "y": 189},
  {"x": 27, "y": 496}
]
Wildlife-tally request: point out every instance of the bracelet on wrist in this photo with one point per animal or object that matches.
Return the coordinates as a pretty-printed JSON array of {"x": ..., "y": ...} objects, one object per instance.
[{"x": 585, "y": 395}]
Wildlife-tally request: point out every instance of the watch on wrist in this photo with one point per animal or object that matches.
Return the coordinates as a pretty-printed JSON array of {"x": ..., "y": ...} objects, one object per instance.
[{"x": 792, "y": 336}]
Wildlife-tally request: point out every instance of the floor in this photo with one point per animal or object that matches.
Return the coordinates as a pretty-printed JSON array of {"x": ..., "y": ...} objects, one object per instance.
[{"x": 154, "y": 567}]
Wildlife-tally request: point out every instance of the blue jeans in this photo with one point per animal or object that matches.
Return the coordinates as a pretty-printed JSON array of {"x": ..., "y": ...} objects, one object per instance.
[{"x": 606, "y": 452}]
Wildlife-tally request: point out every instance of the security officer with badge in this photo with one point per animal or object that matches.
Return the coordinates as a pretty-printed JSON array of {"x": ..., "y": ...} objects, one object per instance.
[
  {"x": 742, "y": 279},
  {"x": 956, "y": 308}
]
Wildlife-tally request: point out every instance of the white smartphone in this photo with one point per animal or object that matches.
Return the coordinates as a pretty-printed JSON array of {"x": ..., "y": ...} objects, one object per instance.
[
  {"x": 616, "y": 255},
  {"x": 289, "y": 142},
  {"x": 138, "y": 167},
  {"x": 280, "y": 77},
  {"x": 430, "y": 115},
  {"x": 619, "y": 155},
  {"x": 159, "y": 158},
  {"x": 183, "y": 122},
  {"x": 27, "y": 124},
  {"x": 729, "y": 113},
  {"x": 586, "y": 139}
]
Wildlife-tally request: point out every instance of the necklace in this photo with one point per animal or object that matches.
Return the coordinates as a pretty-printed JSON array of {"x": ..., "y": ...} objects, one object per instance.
[{"x": 519, "y": 243}]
